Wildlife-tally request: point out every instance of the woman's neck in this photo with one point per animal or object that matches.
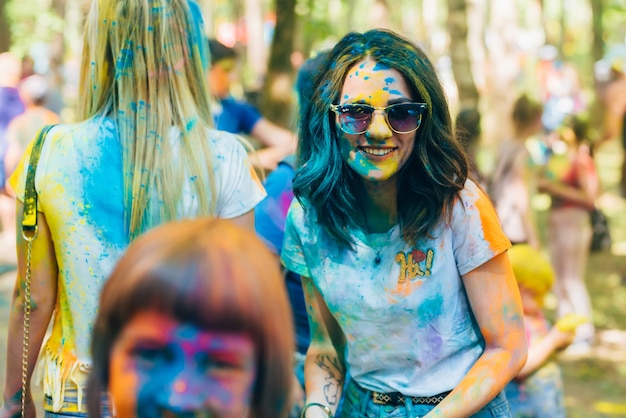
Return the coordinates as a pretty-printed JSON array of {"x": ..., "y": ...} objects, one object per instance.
[{"x": 380, "y": 205}]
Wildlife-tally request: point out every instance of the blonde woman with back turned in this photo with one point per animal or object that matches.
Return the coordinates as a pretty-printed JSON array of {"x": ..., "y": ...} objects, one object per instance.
[{"x": 143, "y": 154}]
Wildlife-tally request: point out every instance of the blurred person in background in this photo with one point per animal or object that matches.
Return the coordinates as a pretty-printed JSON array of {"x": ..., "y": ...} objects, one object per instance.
[
  {"x": 574, "y": 187},
  {"x": 468, "y": 131},
  {"x": 537, "y": 390},
  {"x": 512, "y": 182},
  {"x": 240, "y": 117},
  {"x": 269, "y": 218},
  {"x": 33, "y": 91},
  {"x": 11, "y": 105},
  {"x": 614, "y": 102}
]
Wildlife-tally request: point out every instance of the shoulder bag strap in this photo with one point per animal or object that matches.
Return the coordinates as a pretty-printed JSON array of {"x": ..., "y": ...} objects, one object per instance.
[
  {"x": 29, "y": 233},
  {"x": 29, "y": 221}
]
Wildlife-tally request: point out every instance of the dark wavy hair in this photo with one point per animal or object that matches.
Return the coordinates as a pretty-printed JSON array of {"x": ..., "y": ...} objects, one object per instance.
[
  {"x": 429, "y": 181},
  {"x": 213, "y": 274}
]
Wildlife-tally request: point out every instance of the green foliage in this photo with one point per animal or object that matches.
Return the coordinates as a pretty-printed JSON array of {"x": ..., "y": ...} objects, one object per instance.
[
  {"x": 32, "y": 21},
  {"x": 614, "y": 23}
]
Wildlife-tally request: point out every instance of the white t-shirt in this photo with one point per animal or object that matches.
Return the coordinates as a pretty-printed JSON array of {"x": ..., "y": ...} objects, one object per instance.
[
  {"x": 406, "y": 319},
  {"x": 80, "y": 187}
]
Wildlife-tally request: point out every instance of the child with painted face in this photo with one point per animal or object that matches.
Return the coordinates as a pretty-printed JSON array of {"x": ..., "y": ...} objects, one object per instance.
[
  {"x": 537, "y": 390},
  {"x": 194, "y": 321},
  {"x": 404, "y": 265}
]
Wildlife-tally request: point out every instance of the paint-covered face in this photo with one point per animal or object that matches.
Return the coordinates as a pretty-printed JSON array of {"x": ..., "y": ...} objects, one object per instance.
[
  {"x": 378, "y": 153},
  {"x": 162, "y": 367}
]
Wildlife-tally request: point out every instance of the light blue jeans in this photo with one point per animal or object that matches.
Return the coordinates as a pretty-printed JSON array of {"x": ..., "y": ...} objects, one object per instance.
[
  {"x": 71, "y": 398},
  {"x": 358, "y": 403}
]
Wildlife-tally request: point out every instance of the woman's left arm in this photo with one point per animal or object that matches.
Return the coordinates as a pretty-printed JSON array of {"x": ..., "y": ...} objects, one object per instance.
[
  {"x": 495, "y": 301},
  {"x": 43, "y": 292}
]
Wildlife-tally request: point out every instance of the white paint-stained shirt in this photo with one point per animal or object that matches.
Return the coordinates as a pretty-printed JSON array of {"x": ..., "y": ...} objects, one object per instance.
[
  {"x": 80, "y": 187},
  {"x": 407, "y": 320}
]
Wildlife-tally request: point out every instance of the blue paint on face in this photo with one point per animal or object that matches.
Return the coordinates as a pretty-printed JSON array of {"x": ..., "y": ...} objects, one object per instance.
[{"x": 160, "y": 365}]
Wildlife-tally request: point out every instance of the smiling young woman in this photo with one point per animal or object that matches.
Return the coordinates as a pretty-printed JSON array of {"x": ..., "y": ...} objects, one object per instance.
[{"x": 408, "y": 286}]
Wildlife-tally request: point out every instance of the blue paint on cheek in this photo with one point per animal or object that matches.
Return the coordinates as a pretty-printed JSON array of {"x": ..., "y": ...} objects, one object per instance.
[
  {"x": 367, "y": 77},
  {"x": 155, "y": 389},
  {"x": 398, "y": 92},
  {"x": 390, "y": 80}
]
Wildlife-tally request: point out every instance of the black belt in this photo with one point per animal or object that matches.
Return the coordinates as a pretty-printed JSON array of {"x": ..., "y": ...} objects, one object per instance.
[{"x": 397, "y": 399}]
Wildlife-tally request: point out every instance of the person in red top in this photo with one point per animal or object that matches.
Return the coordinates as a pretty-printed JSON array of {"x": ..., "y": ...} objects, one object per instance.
[{"x": 573, "y": 185}]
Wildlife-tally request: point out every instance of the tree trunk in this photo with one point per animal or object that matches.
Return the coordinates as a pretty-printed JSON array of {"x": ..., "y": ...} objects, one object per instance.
[
  {"x": 278, "y": 98},
  {"x": 256, "y": 53},
  {"x": 597, "y": 47},
  {"x": 459, "y": 53},
  {"x": 5, "y": 32},
  {"x": 502, "y": 69}
]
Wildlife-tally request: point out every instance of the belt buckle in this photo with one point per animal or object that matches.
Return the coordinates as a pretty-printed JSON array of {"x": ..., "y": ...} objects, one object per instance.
[{"x": 380, "y": 398}]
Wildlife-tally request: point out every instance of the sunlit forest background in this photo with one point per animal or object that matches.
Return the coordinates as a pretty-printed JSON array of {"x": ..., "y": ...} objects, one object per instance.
[{"x": 487, "y": 52}]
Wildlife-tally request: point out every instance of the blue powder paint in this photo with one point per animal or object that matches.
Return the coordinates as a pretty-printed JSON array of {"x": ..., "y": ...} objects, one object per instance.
[
  {"x": 430, "y": 310},
  {"x": 390, "y": 80},
  {"x": 381, "y": 67},
  {"x": 103, "y": 171},
  {"x": 367, "y": 77},
  {"x": 124, "y": 61},
  {"x": 191, "y": 124},
  {"x": 396, "y": 92}
]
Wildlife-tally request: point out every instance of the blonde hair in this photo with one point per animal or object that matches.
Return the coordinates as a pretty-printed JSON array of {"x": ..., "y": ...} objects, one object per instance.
[
  {"x": 532, "y": 269},
  {"x": 144, "y": 64}
]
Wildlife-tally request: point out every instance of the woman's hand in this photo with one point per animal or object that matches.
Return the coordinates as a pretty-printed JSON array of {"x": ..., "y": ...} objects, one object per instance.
[
  {"x": 12, "y": 407},
  {"x": 561, "y": 339}
]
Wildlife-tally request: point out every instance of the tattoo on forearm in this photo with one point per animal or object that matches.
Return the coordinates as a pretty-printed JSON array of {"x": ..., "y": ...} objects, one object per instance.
[{"x": 333, "y": 367}]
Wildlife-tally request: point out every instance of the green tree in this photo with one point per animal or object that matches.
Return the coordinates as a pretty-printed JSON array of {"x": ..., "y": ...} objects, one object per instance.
[{"x": 5, "y": 32}]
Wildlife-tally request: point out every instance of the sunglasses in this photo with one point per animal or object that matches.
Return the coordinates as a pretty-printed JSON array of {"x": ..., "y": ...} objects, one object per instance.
[{"x": 402, "y": 118}]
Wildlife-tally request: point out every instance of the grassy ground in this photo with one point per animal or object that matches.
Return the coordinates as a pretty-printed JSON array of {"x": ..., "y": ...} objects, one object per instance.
[{"x": 595, "y": 385}]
